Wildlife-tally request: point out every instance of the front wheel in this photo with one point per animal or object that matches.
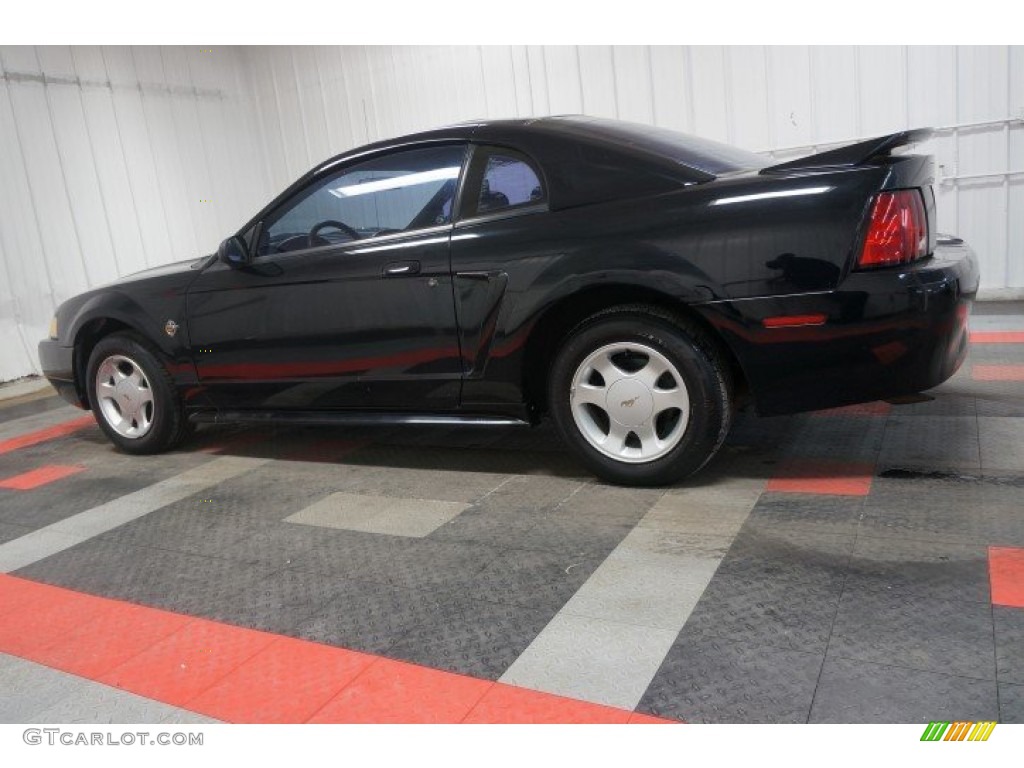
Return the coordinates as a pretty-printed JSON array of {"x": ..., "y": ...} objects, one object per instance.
[
  {"x": 133, "y": 397},
  {"x": 643, "y": 397}
]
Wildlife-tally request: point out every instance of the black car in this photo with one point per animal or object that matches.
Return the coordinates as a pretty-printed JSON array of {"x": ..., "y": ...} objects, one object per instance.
[{"x": 636, "y": 284}]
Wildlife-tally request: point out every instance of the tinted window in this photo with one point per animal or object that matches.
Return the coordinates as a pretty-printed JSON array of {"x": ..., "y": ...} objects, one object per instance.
[
  {"x": 508, "y": 181},
  {"x": 395, "y": 193}
]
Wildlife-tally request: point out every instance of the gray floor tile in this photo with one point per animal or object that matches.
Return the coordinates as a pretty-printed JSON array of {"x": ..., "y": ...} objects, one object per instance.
[
  {"x": 860, "y": 692},
  {"x": 10, "y": 532},
  {"x": 184, "y": 717},
  {"x": 472, "y": 637},
  {"x": 531, "y": 578},
  {"x": 387, "y": 515},
  {"x": 927, "y": 634},
  {"x": 777, "y": 613},
  {"x": 29, "y": 689},
  {"x": 856, "y": 438},
  {"x": 1009, "y": 627},
  {"x": 802, "y": 513},
  {"x": 937, "y": 569},
  {"x": 713, "y": 680},
  {"x": 934, "y": 442},
  {"x": 945, "y": 404},
  {"x": 279, "y": 602},
  {"x": 592, "y": 659},
  {"x": 277, "y": 545},
  {"x": 367, "y": 616},
  {"x": 1002, "y": 444},
  {"x": 100, "y": 704},
  {"x": 644, "y": 589},
  {"x": 175, "y": 581},
  {"x": 1011, "y": 703},
  {"x": 609, "y": 505}
]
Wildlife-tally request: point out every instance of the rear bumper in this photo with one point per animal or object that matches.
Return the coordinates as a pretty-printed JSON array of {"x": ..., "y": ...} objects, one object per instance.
[
  {"x": 58, "y": 364},
  {"x": 887, "y": 332}
]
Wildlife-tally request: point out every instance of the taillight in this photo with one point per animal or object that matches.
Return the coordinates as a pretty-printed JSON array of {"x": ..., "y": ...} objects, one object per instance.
[{"x": 898, "y": 230}]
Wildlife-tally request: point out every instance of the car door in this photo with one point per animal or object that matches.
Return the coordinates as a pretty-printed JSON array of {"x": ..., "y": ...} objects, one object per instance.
[{"x": 347, "y": 300}]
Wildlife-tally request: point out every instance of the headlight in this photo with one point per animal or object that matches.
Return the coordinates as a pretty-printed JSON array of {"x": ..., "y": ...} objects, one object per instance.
[{"x": 53, "y": 327}]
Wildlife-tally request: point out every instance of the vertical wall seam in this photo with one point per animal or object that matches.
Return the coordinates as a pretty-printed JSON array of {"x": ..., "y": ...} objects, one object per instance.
[
  {"x": 730, "y": 129},
  {"x": 323, "y": 102},
  {"x": 124, "y": 159},
  {"x": 63, "y": 172},
  {"x": 579, "y": 80},
  {"x": 650, "y": 84},
  {"x": 161, "y": 187},
  {"x": 302, "y": 112},
  {"x": 615, "y": 82},
  {"x": 31, "y": 199},
  {"x": 189, "y": 189},
  {"x": 483, "y": 80},
  {"x": 691, "y": 114},
  {"x": 96, "y": 169}
]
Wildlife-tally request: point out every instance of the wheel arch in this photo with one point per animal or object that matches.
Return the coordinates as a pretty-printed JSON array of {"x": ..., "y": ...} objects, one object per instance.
[
  {"x": 557, "y": 321},
  {"x": 86, "y": 337}
]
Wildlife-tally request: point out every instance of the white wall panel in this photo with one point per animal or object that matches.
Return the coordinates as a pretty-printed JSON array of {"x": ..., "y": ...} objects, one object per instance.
[
  {"x": 111, "y": 160},
  {"x": 787, "y": 99},
  {"x": 118, "y": 158}
]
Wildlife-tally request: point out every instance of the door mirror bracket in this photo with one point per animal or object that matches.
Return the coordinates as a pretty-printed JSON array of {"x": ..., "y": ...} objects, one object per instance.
[{"x": 234, "y": 252}]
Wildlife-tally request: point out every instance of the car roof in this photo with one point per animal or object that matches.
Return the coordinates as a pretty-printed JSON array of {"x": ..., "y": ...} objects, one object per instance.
[
  {"x": 583, "y": 160},
  {"x": 706, "y": 158}
]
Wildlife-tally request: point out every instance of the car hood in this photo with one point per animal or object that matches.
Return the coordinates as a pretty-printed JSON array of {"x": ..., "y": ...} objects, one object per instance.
[{"x": 187, "y": 269}]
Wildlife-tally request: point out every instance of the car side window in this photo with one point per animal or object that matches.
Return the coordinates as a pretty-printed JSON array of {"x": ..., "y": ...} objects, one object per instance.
[
  {"x": 507, "y": 181},
  {"x": 399, "y": 192}
]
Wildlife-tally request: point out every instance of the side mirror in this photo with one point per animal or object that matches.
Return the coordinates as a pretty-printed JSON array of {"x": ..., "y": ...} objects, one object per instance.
[{"x": 233, "y": 252}]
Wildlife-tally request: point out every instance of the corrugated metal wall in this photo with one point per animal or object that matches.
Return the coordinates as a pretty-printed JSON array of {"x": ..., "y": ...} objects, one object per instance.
[
  {"x": 104, "y": 163},
  {"x": 319, "y": 101},
  {"x": 113, "y": 160}
]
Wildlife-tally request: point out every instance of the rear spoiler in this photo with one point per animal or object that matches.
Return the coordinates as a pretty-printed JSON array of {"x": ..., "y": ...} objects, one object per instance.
[{"x": 853, "y": 154}]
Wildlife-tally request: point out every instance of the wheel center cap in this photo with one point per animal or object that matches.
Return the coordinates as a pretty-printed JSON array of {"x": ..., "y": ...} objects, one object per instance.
[{"x": 629, "y": 402}]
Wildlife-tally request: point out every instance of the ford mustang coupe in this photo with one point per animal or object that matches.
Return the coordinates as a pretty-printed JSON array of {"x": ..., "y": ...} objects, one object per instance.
[{"x": 635, "y": 284}]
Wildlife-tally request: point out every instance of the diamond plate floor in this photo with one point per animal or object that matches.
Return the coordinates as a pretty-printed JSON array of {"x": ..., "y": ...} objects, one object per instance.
[{"x": 827, "y": 567}]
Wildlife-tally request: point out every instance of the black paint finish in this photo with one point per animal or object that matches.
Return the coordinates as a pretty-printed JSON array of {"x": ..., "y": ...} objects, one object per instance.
[{"x": 631, "y": 214}]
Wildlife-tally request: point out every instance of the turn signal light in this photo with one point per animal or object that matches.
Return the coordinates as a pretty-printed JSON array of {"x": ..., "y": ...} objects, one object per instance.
[{"x": 898, "y": 230}]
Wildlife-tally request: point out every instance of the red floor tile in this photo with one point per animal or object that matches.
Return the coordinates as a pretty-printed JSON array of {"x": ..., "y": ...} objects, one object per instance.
[
  {"x": 187, "y": 662},
  {"x": 876, "y": 408},
  {"x": 822, "y": 476},
  {"x": 15, "y": 593},
  {"x": 241, "y": 675},
  {"x": 286, "y": 682},
  {"x": 42, "y": 435},
  {"x": 1006, "y": 573},
  {"x": 997, "y": 372},
  {"x": 46, "y": 619},
  {"x": 396, "y": 692},
  {"x": 508, "y": 704},
  {"x": 27, "y": 481},
  {"x": 111, "y": 638},
  {"x": 997, "y": 337},
  {"x": 638, "y": 718}
]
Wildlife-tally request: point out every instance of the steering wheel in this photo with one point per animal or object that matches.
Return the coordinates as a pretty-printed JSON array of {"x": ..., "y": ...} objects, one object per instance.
[{"x": 314, "y": 233}]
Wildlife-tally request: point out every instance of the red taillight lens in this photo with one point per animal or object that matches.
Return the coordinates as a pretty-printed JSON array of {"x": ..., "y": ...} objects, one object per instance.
[{"x": 898, "y": 230}]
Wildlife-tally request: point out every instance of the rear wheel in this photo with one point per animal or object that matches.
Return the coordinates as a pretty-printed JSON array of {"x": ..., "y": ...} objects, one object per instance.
[
  {"x": 642, "y": 396},
  {"x": 133, "y": 397}
]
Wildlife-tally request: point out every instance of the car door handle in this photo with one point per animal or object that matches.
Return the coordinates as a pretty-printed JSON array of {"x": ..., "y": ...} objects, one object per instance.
[{"x": 397, "y": 268}]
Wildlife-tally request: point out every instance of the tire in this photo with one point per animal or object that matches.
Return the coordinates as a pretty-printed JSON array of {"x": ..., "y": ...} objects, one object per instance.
[
  {"x": 665, "y": 374},
  {"x": 144, "y": 415}
]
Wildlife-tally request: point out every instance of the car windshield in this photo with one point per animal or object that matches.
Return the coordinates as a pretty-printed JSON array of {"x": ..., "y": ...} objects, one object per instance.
[{"x": 701, "y": 154}]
